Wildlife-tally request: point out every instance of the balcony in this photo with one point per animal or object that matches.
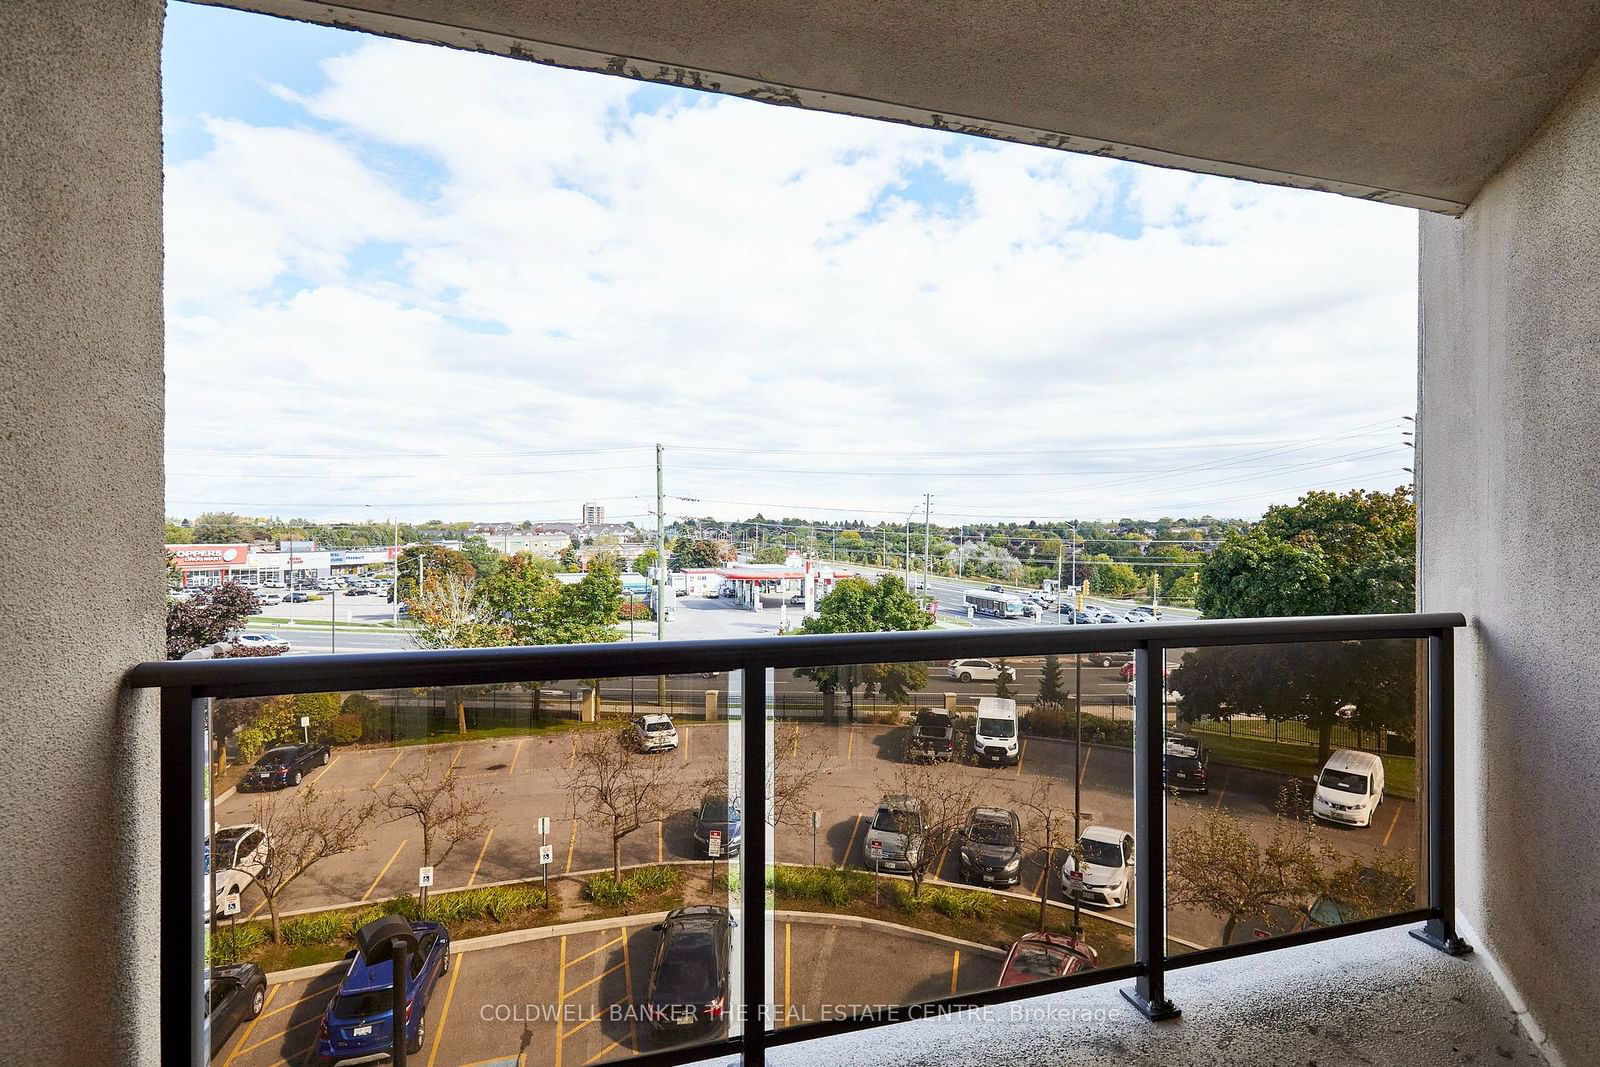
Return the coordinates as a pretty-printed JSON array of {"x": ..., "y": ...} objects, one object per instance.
[{"x": 1149, "y": 775}]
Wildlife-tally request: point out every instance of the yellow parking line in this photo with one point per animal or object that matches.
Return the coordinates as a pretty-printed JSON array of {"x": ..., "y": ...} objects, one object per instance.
[
  {"x": 1222, "y": 792},
  {"x": 514, "y": 757},
  {"x": 603, "y": 974},
  {"x": 561, "y": 999},
  {"x": 1038, "y": 883},
  {"x": 572, "y": 754},
  {"x": 661, "y": 840},
  {"x": 271, "y": 992},
  {"x": 850, "y": 750},
  {"x": 473, "y": 877},
  {"x": 850, "y": 849},
  {"x": 594, "y": 951},
  {"x": 602, "y": 1052},
  {"x": 683, "y": 743},
  {"x": 955, "y": 971},
  {"x": 322, "y": 773},
  {"x": 387, "y": 769},
  {"x": 1022, "y": 755},
  {"x": 572, "y": 843},
  {"x": 627, "y": 975},
  {"x": 383, "y": 872},
  {"x": 444, "y": 1016},
  {"x": 1083, "y": 772},
  {"x": 455, "y": 759},
  {"x": 317, "y": 1018},
  {"x": 788, "y": 954},
  {"x": 321, "y": 991},
  {"x": 1392, "y": 824}
]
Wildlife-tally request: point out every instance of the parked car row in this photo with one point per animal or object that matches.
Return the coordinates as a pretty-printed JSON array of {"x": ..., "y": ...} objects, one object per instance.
[{"x": 284, "y": 766}]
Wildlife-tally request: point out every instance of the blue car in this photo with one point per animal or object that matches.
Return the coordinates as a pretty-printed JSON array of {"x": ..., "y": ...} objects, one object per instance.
[{"x": 358, "y": 1024}]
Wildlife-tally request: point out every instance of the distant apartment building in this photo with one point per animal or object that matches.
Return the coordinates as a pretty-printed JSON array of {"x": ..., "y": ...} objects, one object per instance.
[
  {"x": 538, "y": 542},
  {"x": 594, "y": 515}
]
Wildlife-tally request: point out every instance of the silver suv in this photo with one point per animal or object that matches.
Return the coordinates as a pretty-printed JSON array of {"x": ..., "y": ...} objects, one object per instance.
[{"x": 894, "y": 841}]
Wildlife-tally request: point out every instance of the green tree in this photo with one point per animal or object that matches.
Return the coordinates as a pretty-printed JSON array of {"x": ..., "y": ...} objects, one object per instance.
[
  {"x": 179, "y": 533},
  {"x": 1050, "y": 691},
  {"x": 770, "y": 554},
  {"x": 1003, "y": 680},
  {"x": 647, "y": 559},
  {"x": 484, "y": 559},
  {"x": 219, "y": 527},
  {"x": 857, "y": 606},
  {"x": 537, "y": 608},
  {"x": 432, "y": 562},
  {"x": 1329, "y": 554},
  {"x": 277, "y": 721},
  {"x": 1111, "y": 579},
  {"x": 568, "y": 560},
  {"x": 690, "y": 555}
]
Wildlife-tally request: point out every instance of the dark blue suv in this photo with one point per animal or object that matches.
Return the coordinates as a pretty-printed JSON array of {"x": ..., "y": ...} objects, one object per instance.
[{"x": 357, "y": 1025}]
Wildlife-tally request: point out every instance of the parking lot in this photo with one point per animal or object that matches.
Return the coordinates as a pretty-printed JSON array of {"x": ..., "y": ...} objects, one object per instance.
[
  {"x": 523, "y": 779},
  {"x": 566, "y": 998}
]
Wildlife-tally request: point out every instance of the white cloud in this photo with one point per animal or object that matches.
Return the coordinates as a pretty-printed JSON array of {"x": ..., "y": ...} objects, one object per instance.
[{"x": 718, "y": 273}]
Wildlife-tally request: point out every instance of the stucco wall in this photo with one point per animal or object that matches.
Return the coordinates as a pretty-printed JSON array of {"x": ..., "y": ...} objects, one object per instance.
[
  {"x": 80, "y": 494},
  {"x": 1510, "y": 481}
]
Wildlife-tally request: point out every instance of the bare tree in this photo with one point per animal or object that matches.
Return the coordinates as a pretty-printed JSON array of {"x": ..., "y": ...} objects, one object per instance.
[
  {"x": 304, "y": 829},
  {"x": 617, "y": 790},
  {"x": 1220, "y": 867},
  {"x": 1049, "y": 826},
  {"x": 795, "y": 768},
  {"x": 446, "y": 810},
  {"x": 944, "y": 797}
]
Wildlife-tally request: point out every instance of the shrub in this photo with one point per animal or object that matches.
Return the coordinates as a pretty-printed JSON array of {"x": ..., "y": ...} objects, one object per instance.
[
  {"x": 653, "y": 879},
  {"x": 346, "y": 729},
  {"x": 232, "y": 944},
  {"x": 1056, "y": 720},
  {"x": 833, "y": 885},
  {"x": 609, "y": 892},
  {"x": 960, "y": 903},
  {"x": 900, "y": 896},
  {"x": 314, "y": 929},
  {"x": 606, "y": 891}
]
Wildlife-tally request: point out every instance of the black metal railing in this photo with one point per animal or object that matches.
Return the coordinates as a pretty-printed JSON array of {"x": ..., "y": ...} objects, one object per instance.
[{"x": 187, "y": 687}]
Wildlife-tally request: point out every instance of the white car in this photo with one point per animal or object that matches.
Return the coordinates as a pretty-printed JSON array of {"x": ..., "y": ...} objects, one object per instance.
[
  {"x": 1103, "y": 615},
  {"x": 268, "y": 599},
  {"x": 242, "y": 855},
  {"x": 980, "y": 670},
  {"x": 1349, "y": 788},
  {"x": 258, "y": 640},
  {"x": 653, "y": 733},
  {"x": 1107, "y": 869}
]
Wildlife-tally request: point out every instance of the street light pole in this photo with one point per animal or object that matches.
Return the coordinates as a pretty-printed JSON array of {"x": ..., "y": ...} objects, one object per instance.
[{"x": 1077, "y": 780}]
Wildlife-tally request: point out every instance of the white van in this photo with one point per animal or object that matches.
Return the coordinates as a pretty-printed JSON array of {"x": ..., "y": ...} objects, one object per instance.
[
  {"x": 994, "y": 739},
  {"x": 1349, "y": 789}
]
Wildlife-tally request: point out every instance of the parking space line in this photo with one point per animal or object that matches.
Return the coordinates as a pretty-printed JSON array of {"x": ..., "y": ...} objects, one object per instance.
[
  {"x": 661, "y": 840},
  {"x": 683, "y": 743},
  {"x": 383, "y": 872},
  {"x": 387, "y": 769},
  {"x": 444, "y": 1016},
  {"x": 561, "y": 999},
  {"x": 1038, "y": 883},
  {"x": 323, "y": 773},
  {"x": 1021, "y": 755},
  {"x": 572, "y": 843},
  {"x": 608, "y": 972},
  {"x": 955, "y": 970},
  {"x": 455, "y": 759},
  {"x": 788, "y": 954},
  {"x": 627, "y": 976},
  {"x": 1227, "y": 776},
  {"x": 301, "y": 1025},
  {"x": 473, "y": 877},
  {"x": 850, "y": 750},
  {"x": 602, "y": 1052},
  {"x": 1083, "y": 771},
  {"x": 271, "y": 992},
  {"x": 572, "y": 753},
  {"x": 320, "y": 991},
  {"x": 514, "y": 757},
  {"x": 1392, "y": 824},
  {"x": 850, "y": 849},
  {"x": 594, "y": 952}
]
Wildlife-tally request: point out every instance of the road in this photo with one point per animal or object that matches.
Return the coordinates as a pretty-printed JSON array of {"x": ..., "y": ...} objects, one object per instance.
[{"x": 525, "y": 778}]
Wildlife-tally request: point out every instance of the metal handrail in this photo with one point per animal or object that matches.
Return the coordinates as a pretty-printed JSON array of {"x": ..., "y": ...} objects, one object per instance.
[{"x": 188, "y": 687}]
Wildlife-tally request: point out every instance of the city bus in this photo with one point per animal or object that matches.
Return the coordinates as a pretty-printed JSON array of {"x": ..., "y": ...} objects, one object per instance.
[{"x": 1000, "y": 605}]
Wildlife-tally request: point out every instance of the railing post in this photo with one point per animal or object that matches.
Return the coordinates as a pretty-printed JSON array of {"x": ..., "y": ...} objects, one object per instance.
[
  {"x": 185, "y": 770},
  {"x": 1440, "y": 930},
  {"x": 753, "y": 865},
  {"x": 1149, "y": 992}
]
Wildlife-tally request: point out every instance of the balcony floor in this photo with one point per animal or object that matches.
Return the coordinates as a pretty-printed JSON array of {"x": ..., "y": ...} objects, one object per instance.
[{"x": 1380, "y": 998}]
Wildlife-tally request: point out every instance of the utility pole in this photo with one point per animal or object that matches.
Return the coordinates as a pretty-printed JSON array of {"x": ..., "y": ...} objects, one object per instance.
[
  {"x": 661, "y": 573},
  {"x": 396, "y": 620},
  {"x": 927, "y": 540}
]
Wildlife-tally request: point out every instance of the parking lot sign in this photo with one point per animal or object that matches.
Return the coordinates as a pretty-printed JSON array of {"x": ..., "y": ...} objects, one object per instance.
[
  {"x": 424, "y": 877},
  {"x": 714, "y": 844},
  {"x": 544, "y": 826},
  {"x": 230, "y": 905},
  {"x": 547, "y": 854}
]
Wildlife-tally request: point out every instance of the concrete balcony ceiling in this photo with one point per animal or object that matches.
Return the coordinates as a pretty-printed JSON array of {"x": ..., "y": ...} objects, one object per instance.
[{"x": 1405, "y": 101}]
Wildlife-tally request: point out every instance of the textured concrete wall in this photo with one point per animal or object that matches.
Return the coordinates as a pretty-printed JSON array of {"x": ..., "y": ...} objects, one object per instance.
[
  {"x": 80, "y": 494},
  {"x": 1510, "y": 494}
]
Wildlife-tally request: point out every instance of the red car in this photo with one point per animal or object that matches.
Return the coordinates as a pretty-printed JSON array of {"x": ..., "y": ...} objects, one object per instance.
[{"x": 1039, "y": 956}]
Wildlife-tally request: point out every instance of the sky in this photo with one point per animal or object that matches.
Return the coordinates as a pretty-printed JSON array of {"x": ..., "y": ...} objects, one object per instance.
[{"x": 404, "y": 281}]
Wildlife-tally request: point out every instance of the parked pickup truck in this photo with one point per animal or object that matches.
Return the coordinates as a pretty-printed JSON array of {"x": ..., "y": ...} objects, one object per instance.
[{"x": 933, "y": 737}]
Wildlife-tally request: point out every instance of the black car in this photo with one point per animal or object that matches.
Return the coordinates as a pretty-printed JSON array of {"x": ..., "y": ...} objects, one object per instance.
[
  {"x": 933, "y": 737},
  {"x": 1185, "y": 765},
  {"x": 718, "y": 815},
  {"x": 688, "y": 991},
  {"x": 991, "y": 847},
  {"x": 284, "y": 766},
  {"x": 237, "y": 995}
]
